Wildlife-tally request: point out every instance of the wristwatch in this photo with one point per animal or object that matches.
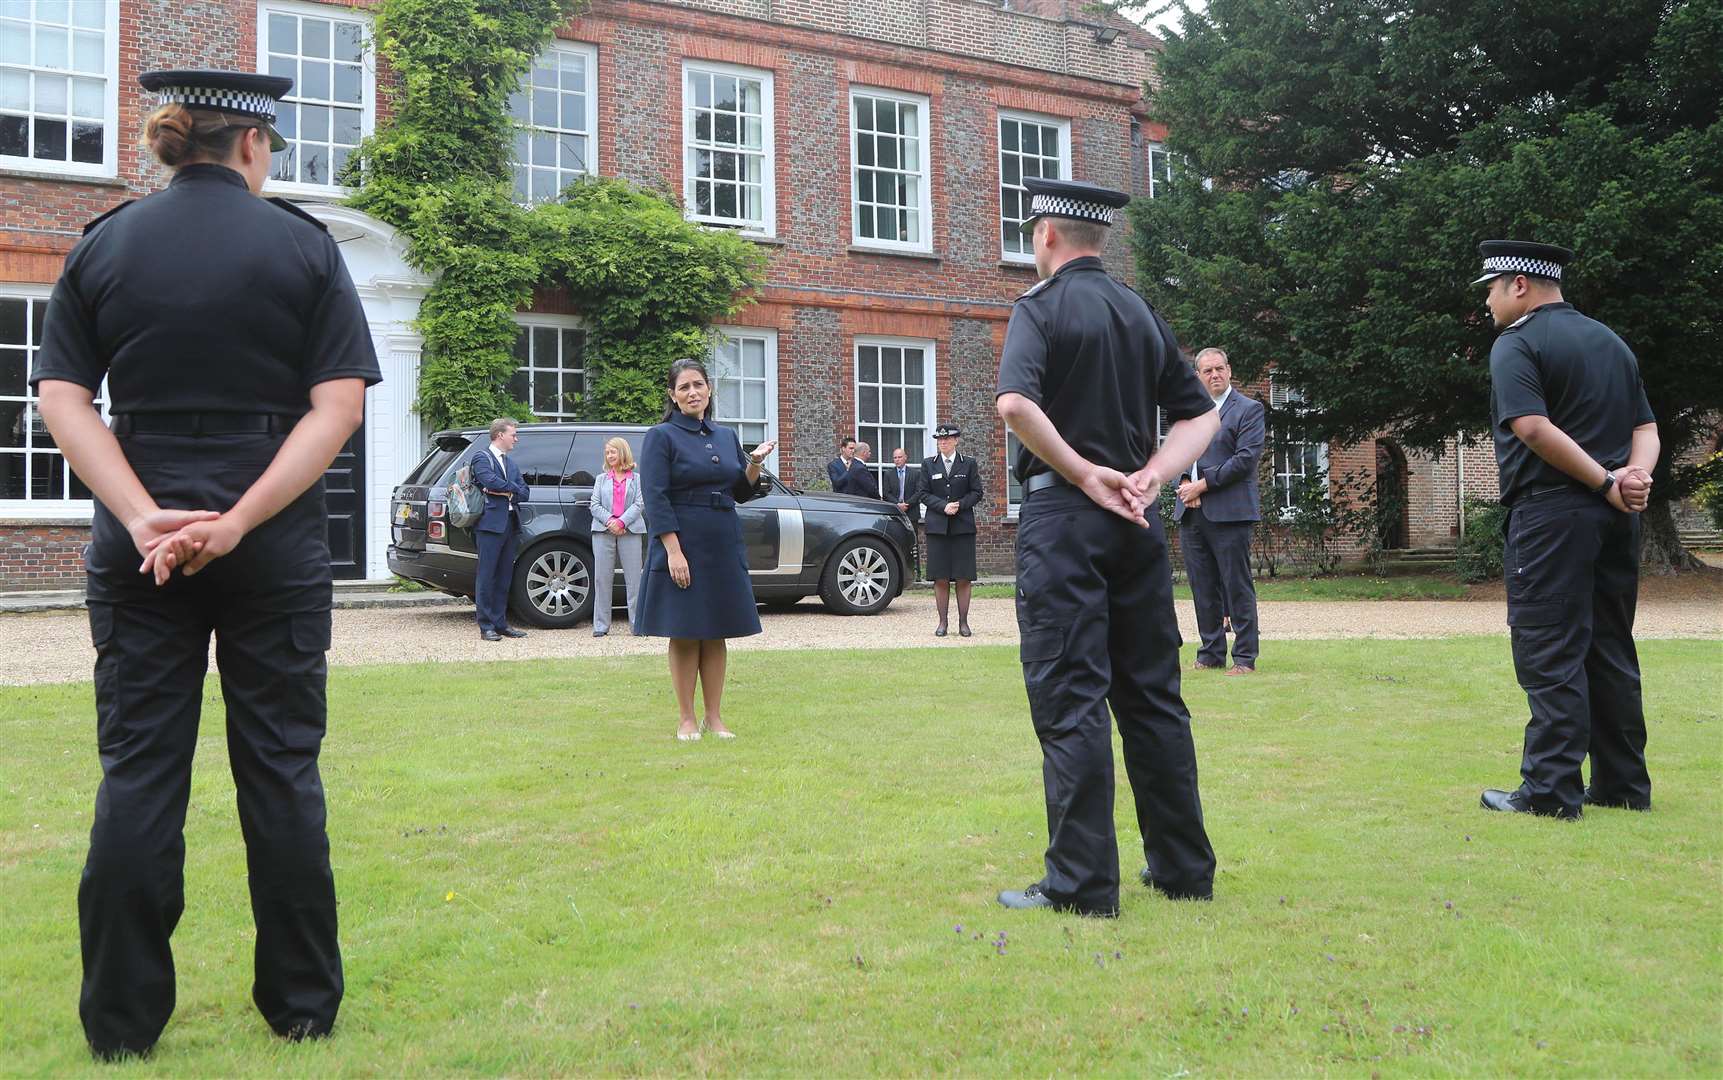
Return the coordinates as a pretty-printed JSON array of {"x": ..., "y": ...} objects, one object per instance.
[
  {"x": 756, "y": 460},
  {"x": 1602, "y": 490}
]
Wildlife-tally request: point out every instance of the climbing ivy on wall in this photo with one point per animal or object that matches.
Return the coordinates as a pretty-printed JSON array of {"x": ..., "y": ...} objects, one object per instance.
[{"x": 647, "y": 282}]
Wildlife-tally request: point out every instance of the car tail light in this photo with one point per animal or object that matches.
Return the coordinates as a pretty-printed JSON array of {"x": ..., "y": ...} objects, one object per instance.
[
  {"x": 436, "y": 531},
  {"x": 436, "y": 509}
]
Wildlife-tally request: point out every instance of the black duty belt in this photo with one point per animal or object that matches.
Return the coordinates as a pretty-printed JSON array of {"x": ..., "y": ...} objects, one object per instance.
[
  {"x": 195, "y": 423},
  {"x": 1543, "y": 490},
  {"x": 1043, "y": 480}
]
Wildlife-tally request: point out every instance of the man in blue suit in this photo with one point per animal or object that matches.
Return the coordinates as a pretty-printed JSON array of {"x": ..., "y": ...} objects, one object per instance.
[
  {"x": 849, "y": 474},
  {"x": 498, "y": 530},
  {"x": 1216, "y": 511}
]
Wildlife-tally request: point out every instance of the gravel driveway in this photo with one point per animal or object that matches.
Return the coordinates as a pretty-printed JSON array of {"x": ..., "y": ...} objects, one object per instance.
[{"x": 56, "y": 647}]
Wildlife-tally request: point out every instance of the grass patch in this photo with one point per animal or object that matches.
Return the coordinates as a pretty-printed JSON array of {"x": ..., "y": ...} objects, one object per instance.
[
  {"x": 535, "y": 878},
  {"x": 1345, "y": 587}
]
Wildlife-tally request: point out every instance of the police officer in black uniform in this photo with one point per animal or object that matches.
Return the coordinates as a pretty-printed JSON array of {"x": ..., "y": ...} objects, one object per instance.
[
  {"x": 1575, "y": 445},
  {"x": 1086, "y": 363},
  {"x": 950, "y": 489},
  {"x": 236, "y": 357}
]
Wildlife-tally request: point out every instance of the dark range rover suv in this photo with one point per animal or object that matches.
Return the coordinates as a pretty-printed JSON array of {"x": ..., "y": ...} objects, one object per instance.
[{"x": 852, "y": 552}]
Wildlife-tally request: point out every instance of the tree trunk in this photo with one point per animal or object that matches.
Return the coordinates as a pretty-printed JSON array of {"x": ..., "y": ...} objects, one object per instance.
[{"x": 1663, "y": 553}]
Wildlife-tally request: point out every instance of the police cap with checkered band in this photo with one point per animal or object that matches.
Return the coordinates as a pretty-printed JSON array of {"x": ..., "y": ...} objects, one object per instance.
[
  {"x": 1072, "y": 199},
  {"x": 1522, "y": 257},
  {"x": 238, "y": 93}
]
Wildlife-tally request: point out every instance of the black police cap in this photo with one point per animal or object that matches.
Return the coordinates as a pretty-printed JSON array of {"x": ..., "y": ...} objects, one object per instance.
[
  {"x": 238, "y": 93},
  {"x": 1071, "y": 199},
  {"x": 1522, "y": 257},
  {"x": 947, "y": 431}
]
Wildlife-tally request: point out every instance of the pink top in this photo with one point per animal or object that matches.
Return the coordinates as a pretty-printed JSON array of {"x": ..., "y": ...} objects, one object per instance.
[{"x": 619, "y": 493}]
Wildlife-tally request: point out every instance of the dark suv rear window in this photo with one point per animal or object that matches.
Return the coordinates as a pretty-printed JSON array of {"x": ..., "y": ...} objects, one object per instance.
[
  {"x": 540, "y": 454},
  {"x": 587, "y": 461},
  {"x": 430, "y": 471}
]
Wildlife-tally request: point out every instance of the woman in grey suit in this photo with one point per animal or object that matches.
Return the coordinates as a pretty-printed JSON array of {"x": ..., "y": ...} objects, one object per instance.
[{"x": 619, "y": 530}]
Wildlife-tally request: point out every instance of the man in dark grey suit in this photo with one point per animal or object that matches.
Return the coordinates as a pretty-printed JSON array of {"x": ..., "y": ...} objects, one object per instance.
[{"x": 1216, "y": 511}]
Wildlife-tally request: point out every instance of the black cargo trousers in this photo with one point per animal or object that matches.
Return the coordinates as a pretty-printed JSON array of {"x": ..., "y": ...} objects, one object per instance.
[
  {"x": 1572, "y": 567},
  {"x": 268, "y": 604},
  {"x": 1097, "y": 628}
]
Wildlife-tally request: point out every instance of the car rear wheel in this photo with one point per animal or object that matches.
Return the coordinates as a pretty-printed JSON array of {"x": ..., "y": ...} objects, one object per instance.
[
  {"x": 860, "y": 578},
  {"x": 553, "y": 585}
]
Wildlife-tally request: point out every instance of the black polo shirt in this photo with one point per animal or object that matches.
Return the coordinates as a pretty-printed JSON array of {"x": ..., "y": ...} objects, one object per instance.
[
  {"x": 1557, "y": 363},
  {"x": 1099, "y": 361},
  {"x": 205, "y": 298}
]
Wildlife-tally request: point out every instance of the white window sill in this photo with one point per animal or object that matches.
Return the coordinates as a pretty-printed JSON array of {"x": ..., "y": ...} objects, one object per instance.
[
  {"x": 902, "y": 253},
  {"x": 15, "y": 168},
  {"x": 17, "y": 513},
  {"x": 285, "y": 190}
]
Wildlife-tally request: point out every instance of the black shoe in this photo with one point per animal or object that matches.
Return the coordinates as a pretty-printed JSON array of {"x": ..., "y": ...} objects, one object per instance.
[
  {"x": 119, "y": 1054},
  {"x": 1615, "y": 804},
  {"x": 304, "y": 1030},
  {"x": 1032, "y": 898},
  {"x": 939, "y": 631},
  {"x": 963, "y": 631},
  {"x": 600, "y": 633},
  {"x": 509, "y": 631},
  {"x": 1516, "y": 802},
  {"x": 490, "y": 635},
  {"x": 1147, "y": 877}
]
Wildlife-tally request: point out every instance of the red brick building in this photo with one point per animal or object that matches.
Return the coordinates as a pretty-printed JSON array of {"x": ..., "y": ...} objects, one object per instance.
[{"x": 875, "y": 150}]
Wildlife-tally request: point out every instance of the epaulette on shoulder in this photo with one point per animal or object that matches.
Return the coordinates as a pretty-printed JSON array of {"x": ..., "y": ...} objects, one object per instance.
[
  {"x": 1519, "y": 322},
  {"x": 1035, "y": 288},
  {"x": 293, "y": 209},
  {"x": 98, "y": 220}
]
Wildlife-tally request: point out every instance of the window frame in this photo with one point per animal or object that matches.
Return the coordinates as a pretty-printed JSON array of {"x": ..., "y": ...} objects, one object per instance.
[
  {"x": 75, "y": 511},
  {"x": 768, "y": 226},
  {"x": 527, "y": 320},
  {"x": 1161, "y": 149},
  {"x": 109, "y": 166},
  {"x": 770, "y": 337},
  {"x": 1063, "y": 125},
  {"x": 1282, "y": 396},
  {"x": 590, "y": 53},
  {"x": 924, "y": 207},
  {"x": 929, "y": 388},
  {"x": 367, "y": 83}
]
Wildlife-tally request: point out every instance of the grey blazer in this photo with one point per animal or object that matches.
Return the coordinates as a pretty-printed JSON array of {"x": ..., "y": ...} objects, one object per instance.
[
  {"x": 1229, "y": 463},
  {"x": 633, "y": 515}
]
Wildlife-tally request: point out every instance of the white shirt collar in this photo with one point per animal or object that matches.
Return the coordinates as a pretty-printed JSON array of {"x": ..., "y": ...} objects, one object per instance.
[
  {"x": 1224, "y": 394},
  {"x": 498, "y": 454}
]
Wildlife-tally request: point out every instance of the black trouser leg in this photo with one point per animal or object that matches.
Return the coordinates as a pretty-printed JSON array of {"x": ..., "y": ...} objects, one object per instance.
[
  {"x": 1552, "y": 548},
  {"x": 1617, "y": 749},
  {"x": 150, "y": 663},
  {"x": 1230, "y": 543},
  {"x": 273, "y": 677},
  {"x": 1155, "y": 728},
  {"x": 1062, "y": 616},
  {"x": 1207, "y": 591}
]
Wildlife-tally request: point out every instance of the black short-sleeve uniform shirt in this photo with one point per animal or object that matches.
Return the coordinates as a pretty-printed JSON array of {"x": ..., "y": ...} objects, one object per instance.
[
  {"x": 1098, "y": 361},
  {"x": 205, "y": 298},
  {"x": 1558, "y": 363}
]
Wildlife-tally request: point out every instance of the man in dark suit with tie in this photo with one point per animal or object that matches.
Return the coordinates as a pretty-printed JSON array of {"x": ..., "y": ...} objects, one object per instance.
[
  {"x": 951, "y": 486},
  {"x": 498, "y": 530},
  {"x": 1216, "y": 511},
  {"x": 902, "y": 485},
  {"x": 850, "y": 475}
]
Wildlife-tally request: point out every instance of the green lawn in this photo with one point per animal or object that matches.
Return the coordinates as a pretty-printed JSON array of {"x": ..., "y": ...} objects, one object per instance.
[
  {"x": 535, "y": 878},
  {"x": 1343, "y": 587}
]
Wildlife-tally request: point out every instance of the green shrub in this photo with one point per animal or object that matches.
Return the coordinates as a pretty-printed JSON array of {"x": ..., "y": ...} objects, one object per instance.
[{"x": 1479, "y": 556}]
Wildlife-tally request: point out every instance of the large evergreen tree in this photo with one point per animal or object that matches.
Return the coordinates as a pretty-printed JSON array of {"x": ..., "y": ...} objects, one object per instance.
[{"x": 1340, "y": 160}]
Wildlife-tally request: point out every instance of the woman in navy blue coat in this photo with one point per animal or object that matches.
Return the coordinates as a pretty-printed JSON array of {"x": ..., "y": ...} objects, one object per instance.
[{"x": 696, "y": 590}]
